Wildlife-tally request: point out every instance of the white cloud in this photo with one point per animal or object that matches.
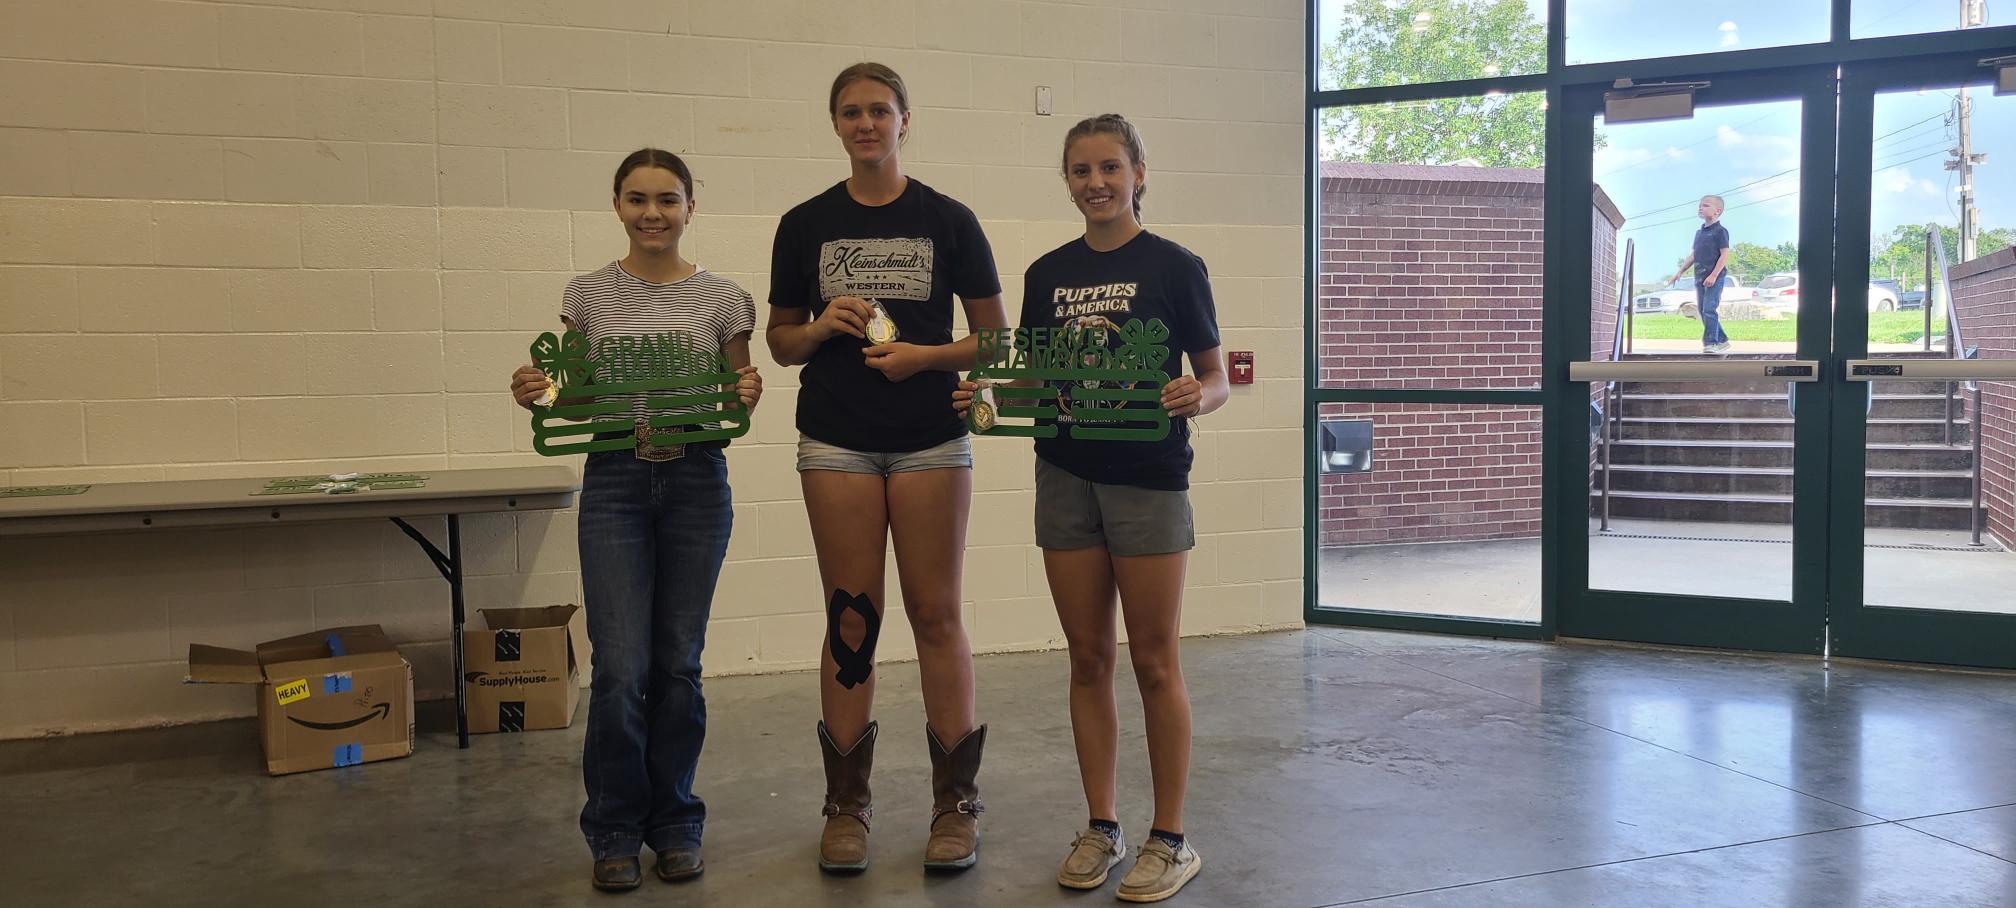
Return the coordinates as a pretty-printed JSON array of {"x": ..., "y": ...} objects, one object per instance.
[
  {"x": 1727, "y": 137},
  {"x": 1899, "y": 179},
  {"x": 1728, "y": 30}
]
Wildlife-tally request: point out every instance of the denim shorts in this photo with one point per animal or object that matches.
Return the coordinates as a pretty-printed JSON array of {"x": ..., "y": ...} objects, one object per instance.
[
  {"x": 1073, "y": 513},
  {"x": 818, "y": 455}
]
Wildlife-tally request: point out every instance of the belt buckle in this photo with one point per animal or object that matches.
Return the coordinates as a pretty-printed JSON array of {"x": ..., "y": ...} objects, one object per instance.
[{"x": 651, "y": 444}]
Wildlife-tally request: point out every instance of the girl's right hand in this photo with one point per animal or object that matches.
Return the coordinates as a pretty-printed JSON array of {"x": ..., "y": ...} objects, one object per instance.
[
  {"x": 962, "y": 399},
  {"x": 527, "y": 384},
  {"x": 844, "y": 315}
]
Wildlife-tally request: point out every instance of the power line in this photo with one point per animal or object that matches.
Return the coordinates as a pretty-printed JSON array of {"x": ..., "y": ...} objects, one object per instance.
[
  {"x": 1758, "y": 201},
  {"x": 1739, "y": 189},
  {"x": 1686, "y": 146}
]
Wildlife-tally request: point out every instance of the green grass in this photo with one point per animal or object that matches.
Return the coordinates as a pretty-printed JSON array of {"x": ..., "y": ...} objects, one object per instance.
[{"x": 1884, "y": 328}]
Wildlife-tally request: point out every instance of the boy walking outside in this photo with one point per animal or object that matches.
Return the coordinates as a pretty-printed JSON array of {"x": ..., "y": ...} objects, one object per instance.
[{"x": 1710, "y": 258}]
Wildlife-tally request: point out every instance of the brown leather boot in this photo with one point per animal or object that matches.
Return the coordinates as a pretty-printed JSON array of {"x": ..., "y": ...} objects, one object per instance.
[
  {"x": 955, "y": 802},
  {"x": 843, "y": 844}
]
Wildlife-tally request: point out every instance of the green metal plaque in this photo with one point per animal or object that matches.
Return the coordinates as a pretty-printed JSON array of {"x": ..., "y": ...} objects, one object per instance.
[
  {"x": 671, "y": 370},
  {"x": 41, "y": 491},
  {"x": 1088, "y": 382},
  {"x": 342, "y": 483}
]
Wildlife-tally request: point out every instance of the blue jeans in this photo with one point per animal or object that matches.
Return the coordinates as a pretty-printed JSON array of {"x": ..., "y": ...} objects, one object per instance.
[
  {"x": 652, "y": 539},
  {"x": 1711, "y": 300}
]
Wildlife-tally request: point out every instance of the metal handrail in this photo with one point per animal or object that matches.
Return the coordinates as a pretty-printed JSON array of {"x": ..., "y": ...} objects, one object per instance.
[
  {"x": 1956, "y": 348},
  {"x": 1613, "y": 392}
]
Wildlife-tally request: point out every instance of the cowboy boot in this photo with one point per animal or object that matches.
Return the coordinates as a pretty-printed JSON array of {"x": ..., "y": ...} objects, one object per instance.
[
  {"x": 955, "y": 802},
  {"x": 843, "y": 844}
]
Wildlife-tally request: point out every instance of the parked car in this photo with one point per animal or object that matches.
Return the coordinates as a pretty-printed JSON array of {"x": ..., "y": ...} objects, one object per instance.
[
  {"x": 1781, "y": 292},
  {"x": 1908, "y": 300},
  {"x": 1885, "y": 295},
  {"x": 1681, "y": 292}
]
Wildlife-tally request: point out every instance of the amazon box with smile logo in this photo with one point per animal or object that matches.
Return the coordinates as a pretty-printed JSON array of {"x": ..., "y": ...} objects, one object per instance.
[
  {"x": 520, "y": 672},
  {"x": 334, "y": 697}
]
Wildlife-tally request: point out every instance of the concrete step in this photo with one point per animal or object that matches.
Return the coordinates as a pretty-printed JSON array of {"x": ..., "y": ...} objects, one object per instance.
[
  {"x": 1931, "y": 514},
  {"x": 1954, "y": 485},
  {"x": 1704, "y": 428},
  {"x": 1750, "y": 454},
  {"x": 1887, "y": 406}
]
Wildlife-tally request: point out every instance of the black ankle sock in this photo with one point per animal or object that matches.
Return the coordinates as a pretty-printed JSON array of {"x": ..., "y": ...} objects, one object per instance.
[
  {"x": 1110, "y": 827},
  {"x": 1175, "y": 839}
]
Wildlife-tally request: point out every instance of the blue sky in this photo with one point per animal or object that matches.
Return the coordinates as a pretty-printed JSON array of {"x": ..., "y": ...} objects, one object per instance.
[
  {"x": 1749, "y": 155},
  {"x": 1600, "y": 30}
]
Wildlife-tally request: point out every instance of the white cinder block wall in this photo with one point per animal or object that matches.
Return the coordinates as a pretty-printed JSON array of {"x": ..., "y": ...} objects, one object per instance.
[{"x": 267, "y": 238}]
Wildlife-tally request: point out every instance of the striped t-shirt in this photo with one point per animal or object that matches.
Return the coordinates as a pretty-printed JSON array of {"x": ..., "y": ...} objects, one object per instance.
[{"x": 616, "y": 309}]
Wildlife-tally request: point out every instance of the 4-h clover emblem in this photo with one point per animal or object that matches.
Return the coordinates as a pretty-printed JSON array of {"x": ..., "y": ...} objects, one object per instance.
[
  {"x": 1100, "y": 389},
  {"x": 595, "y": 390}
]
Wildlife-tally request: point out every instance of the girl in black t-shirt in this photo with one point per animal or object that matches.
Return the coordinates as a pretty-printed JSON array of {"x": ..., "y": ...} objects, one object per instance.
[
  {"x": 1113, "y": 517},
  {"x": 861, "y": 292}
]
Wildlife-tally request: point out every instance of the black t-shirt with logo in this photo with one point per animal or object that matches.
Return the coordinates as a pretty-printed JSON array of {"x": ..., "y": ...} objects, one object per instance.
[
  {"x": 1709, "y": 241},
  {"x": 1080, "y": 290},
  {"x": 912, "y": 255}
]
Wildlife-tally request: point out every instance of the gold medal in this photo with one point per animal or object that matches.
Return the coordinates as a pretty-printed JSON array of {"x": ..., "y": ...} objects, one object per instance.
[
  {"x": 984, "y": 414},
  {"x": 552, "y": 393},
  {"x": 881, "y": 328}
]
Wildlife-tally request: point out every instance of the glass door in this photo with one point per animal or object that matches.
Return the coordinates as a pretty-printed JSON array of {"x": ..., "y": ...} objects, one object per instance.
[
  {"x": 1693, "y": 436},
  {"x": 1925, "y": 421}
]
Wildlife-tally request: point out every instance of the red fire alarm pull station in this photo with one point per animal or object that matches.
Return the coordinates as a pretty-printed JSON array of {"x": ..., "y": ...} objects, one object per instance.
[{"x": 1242, "y": 368}]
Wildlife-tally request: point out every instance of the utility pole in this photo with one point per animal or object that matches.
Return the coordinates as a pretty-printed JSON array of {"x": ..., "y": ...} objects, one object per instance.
[{"x": 1973, "y": 13}]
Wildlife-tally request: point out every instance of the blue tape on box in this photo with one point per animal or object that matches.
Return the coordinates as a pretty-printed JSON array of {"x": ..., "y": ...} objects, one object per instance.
[
  {"x": 348, "y": 755},
  {"x": 336, "y": 650},
  {"x": 336, "y": 684}
]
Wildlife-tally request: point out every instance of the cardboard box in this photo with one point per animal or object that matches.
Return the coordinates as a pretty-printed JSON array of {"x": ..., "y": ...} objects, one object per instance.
[
  {"x": 521, "y": 673},
  {"x": 334, "y": 697}
]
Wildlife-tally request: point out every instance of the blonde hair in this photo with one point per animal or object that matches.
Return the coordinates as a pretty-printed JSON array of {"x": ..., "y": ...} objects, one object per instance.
[
  {"x": 1115, "y": 125},
  {"x": 1716, "y": 199}
]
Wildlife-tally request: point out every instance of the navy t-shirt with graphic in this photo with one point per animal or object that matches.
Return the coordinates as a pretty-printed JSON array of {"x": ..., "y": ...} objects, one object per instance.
[
  {"x": 1077, "y": 287},
  {"x": 912, "y": 255},
  {"x": 1709, "y": 241}
]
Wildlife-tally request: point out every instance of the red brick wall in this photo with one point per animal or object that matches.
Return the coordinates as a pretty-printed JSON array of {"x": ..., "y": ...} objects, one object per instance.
[
  {"x": 1430, "y": 277},
  {"x": 1440, "y": 473},
  {"x": 1984, "y": 295}
]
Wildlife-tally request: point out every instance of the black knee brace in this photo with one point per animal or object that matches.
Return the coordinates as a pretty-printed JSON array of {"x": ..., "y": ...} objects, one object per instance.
[{"x": 855, "y": 664}]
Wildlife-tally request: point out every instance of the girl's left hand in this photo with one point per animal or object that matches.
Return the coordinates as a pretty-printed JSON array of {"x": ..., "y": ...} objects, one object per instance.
[
  {"x": 749, "y": 388},
  {"x": 1183, "y": 397},
  {"x": 897, "y": 361}
]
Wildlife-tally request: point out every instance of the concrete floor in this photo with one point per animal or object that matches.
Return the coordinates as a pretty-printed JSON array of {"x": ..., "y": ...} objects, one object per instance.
[
  {"x": 1500, "y": 579},
  {"x": 1332, "y": 767}
]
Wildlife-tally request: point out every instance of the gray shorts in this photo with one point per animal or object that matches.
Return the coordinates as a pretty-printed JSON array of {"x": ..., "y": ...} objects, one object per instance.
[
  {"x": 818, "y": 455},
  {"x": 1072, "y": 513}
]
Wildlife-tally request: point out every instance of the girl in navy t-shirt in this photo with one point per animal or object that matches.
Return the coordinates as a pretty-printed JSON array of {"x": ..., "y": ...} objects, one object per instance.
[{"x": 1113, "y": 517}]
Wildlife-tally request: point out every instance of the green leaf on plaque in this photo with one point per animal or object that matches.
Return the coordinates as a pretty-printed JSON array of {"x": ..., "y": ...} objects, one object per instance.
[
  {"x": 671, "y": 370},
  {"x": 40, "y": 491}
]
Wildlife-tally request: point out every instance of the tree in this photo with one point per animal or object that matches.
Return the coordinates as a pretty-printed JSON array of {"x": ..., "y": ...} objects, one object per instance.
[
  {"x": 1900, "y": 253},
  {"x": 1389, "y": 42},
  {"x": 1753, "y": 262}
]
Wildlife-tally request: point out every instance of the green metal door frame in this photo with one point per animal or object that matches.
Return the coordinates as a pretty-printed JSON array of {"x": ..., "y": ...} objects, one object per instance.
[
  {"x": 1859, "y": 628},
  {"x": 1794, "y": 626}
]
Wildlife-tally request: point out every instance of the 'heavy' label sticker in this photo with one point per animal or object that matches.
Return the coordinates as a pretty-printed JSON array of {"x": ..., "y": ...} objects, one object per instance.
[{"x": 291, "y": 691}]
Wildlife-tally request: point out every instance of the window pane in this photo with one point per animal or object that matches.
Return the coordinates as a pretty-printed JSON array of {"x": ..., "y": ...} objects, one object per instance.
[
  {"x": 1429, "y": 244},
  {"x": 1876, "y": 18},
  {"x": 1430, "y": 509},
  {"x": 1604, "y": 30},
  {"x": 1367, "y": 43}
]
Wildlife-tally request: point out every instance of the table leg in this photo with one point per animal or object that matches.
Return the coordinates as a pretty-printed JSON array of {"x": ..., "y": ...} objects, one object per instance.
[{"x": 450, "y": 566}]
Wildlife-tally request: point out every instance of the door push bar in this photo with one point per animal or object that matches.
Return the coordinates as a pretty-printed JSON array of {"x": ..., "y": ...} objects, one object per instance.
[
  {"x": 1734, "y": 370},
  {"x": 1931, "y": 369}
]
